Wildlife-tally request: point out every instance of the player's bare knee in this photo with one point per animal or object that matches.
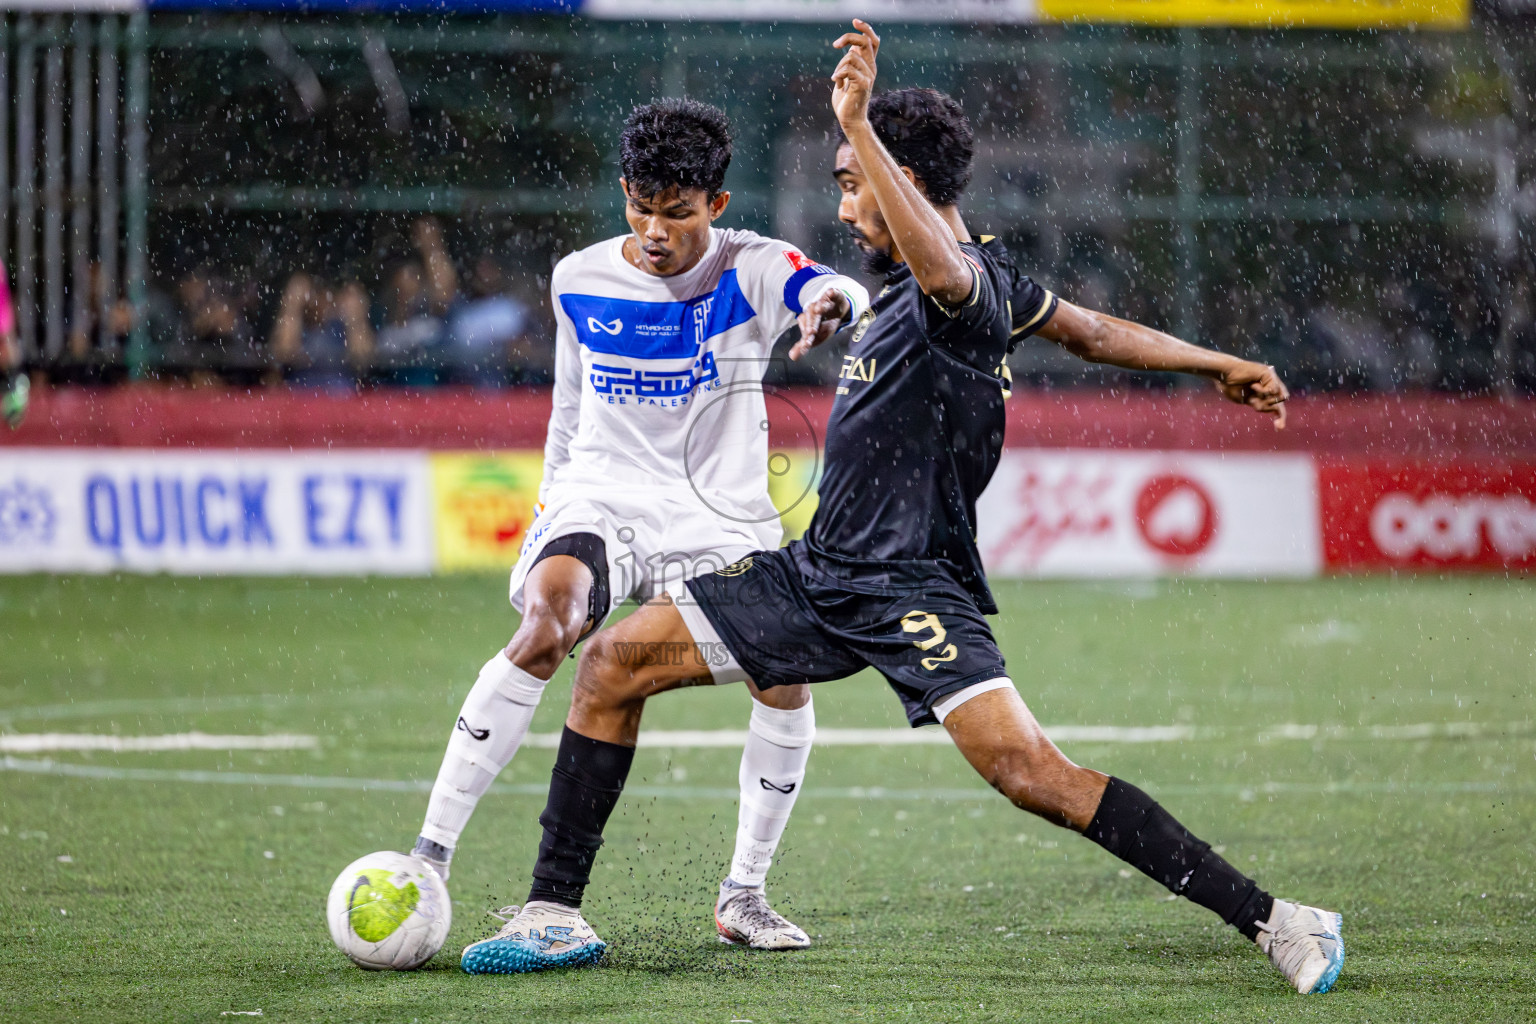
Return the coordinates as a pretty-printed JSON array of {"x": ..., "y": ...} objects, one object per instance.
[
  {"x": 546, "y": 635},
  {"x": 1035, "y": 779},
  {"x": 605, "y": 678},
  {"x": 784, "y": 698},
  {"x": 538, "y": 652}
]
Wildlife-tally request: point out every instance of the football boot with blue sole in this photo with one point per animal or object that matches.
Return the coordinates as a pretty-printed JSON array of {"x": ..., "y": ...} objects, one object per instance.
[
  {"x": 1306, "y": 945},
  {"x": 538, "y": 937}
]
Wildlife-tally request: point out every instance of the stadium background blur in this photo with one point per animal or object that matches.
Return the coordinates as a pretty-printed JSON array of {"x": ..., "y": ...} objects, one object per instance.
[
  {"x": 281, "y": 281},
  {"x": 342, "y": 200}
]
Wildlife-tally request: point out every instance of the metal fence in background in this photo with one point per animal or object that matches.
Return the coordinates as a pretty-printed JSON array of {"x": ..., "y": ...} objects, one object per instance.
[
  {"x": 1359, "y": 208},
  {"x": 73, "y": 188}
]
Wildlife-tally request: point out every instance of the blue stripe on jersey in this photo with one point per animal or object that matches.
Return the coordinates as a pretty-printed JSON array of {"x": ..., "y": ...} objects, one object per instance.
[
  {"x": 657, "y": 330},
  {"x": 797, "y": 281}
]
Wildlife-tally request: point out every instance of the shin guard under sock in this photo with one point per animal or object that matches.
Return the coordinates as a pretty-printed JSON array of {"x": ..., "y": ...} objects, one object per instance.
[
  {"x": 772, "y": 772},
  {"x": 1136, "y": 828},
  {"x": 584, "y": 787},
  {"x": 489, "y": 730}
]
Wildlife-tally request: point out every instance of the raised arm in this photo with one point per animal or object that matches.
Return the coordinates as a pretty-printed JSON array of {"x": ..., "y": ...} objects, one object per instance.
[
  {"x": 923, "y": 238},
  {"x": 1100, "y": 338},
  {"x": 287, "y": 341},
  {"x": 352, "y": 305},
  {"x": 442, "y": 279}
]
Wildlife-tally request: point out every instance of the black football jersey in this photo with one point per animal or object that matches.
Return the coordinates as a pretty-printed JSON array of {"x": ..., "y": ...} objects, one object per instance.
[{"x": 916, "y": 428}]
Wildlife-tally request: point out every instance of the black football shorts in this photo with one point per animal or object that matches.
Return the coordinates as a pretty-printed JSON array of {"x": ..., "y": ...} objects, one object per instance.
[{"x": 785, "y": 624}]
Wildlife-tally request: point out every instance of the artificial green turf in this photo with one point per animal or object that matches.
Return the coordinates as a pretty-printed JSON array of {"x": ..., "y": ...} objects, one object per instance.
[{"x": 926, "y": 903}]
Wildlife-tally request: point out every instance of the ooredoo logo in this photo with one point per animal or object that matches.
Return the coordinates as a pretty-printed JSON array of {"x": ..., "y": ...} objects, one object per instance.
[
  {"x": 1448, "y": 526},
  {"x": 1175, "y": 515}
]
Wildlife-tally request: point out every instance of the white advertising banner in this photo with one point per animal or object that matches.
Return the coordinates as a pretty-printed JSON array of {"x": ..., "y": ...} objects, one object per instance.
[
  {"x": 72, "y": 6},
  {"x": 1090, "y": 512},
  {"x": 1047, "y": 513},
  {"x": 108, "y": 510},
  {"x": 833, "y": 11}
]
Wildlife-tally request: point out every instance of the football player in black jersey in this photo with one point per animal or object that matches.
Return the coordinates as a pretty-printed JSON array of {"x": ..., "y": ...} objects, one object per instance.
[{"x": 888, "y": 574}]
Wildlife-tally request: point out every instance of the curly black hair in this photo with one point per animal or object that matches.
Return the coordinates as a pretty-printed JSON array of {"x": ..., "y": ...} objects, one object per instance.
[
  {"x": 672, "y": 142},
  {"x": 927, "y": 131}
]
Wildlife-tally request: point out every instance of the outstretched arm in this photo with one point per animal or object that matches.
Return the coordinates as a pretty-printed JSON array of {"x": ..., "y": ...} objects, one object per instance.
[
  {"x": 823, "y": 317},
  {"x": 923, "y": 238},
  {"x": 1100, "y": 338}
]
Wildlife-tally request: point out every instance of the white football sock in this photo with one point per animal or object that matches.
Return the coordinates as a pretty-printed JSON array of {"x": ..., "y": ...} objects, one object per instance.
[
  {"x": 489, "y": 729},
  {"x": 772, "y": 770}
]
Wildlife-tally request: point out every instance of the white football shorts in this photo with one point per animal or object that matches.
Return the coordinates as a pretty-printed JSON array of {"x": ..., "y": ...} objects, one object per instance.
[{"x": 651, "y": 538}]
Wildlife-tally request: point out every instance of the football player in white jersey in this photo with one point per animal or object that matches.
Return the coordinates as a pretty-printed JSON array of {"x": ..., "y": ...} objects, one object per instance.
[{"x": 655, "y": 469}]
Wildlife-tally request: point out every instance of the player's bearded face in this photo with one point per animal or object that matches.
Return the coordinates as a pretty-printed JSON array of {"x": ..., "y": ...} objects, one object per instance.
[
  {"x": 670, "y": 228},
  {"x": 877, "y": 261},
  {"x": 861, "y": 215}
]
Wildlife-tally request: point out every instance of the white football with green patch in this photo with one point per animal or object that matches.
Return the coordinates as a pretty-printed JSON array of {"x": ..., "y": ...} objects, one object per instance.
[{"x": 389, "y": 912}]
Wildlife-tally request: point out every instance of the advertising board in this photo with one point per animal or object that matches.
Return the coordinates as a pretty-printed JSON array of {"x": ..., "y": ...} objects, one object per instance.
[
  {"x": 1047, "y": 513},
  {"x": 109, "y": 510},
  {"x": 1094, "y": 512},
  {"x": 1423, "y": 515}
]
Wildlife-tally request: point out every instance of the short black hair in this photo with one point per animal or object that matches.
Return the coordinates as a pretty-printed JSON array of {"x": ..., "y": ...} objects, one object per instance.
[
  {"x": 672, "y": 142},
  {"x": 927, "y": 131}
]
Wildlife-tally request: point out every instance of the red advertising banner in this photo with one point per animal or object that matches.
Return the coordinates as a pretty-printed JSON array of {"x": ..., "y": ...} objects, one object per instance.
[{"x": 1421, "y": 515}]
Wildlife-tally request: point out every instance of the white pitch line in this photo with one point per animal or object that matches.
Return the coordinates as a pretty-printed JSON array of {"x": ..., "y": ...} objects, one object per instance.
[
  {"x": 37, "y": 743},
  {"x": 146, "y": 705},
  {"x": 698, "y": 738},
  {"x": 694, "y": 738},
  {"x": 978, "y": 792},
  {"x": 684, "y": 739}
]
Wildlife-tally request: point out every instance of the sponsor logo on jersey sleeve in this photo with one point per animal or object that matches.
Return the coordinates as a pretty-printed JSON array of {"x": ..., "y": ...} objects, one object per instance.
[{"x": 806, "y": 270}]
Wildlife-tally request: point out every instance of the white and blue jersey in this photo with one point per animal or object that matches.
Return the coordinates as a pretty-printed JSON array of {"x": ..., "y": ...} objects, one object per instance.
[{"x": 658, "y": 379}]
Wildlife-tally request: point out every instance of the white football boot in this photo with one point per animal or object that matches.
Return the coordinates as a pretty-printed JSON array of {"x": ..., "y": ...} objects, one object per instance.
[
  {"x": 538, "y": 937},
  {"x": 744, "y": 918},
  {"x": 1305, "y": 944}
]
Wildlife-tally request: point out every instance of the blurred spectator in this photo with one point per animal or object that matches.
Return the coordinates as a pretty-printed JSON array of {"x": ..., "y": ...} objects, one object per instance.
[
  {"x": 483, "y": 328},
  {"x": 417, "y": 292},
  {"x": 1415, "y": 363},
  {"x": 86, "y": 337},
  {"x": 1358, "y": 349},
  {"x": 216, "y": 341},
  {"x": 95, "y": 343},
  {"x": 322, "y": 335}
]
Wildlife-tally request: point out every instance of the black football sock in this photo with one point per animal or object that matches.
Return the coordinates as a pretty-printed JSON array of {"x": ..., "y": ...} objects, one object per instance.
[
  {"x": 583, "y": 789},
  {"x": 1136, "y": 828}
]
